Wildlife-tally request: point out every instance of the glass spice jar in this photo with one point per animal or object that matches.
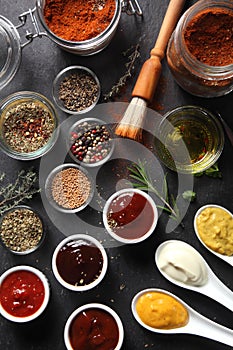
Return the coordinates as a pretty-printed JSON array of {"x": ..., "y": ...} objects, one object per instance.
[
  {"x": 85, "y": 47},
  {"x": 191, "y": 73}
]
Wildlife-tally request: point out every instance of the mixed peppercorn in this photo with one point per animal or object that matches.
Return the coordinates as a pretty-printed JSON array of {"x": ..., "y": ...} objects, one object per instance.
[{"x": 90, "y": 142}]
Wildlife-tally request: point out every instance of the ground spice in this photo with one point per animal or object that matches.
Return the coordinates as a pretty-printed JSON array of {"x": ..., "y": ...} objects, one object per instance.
[
  {"x": 78, "y": 91},
  {"x": 70, "y": 188},
  {"x": 209, "y": 37},
  {"x": 21, "y": 230},
  {"x": 78, "y": 20},
  {"x": 27, "y": 126}
]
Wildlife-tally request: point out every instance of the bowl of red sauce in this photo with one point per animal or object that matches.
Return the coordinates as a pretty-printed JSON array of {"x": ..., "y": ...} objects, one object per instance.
[
  {"x": 130, "y": 215},
  {"x": 24, "y": 293},
  {"x": 94, "y": 326},
  {"x": 79, "y": 262}
]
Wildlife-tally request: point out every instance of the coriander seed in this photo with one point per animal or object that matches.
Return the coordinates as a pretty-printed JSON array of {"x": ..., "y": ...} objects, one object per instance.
[{"x": 71, "y": 188}]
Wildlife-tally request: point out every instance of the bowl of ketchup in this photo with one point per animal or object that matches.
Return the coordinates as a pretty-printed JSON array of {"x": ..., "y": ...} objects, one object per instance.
[
  {"x": 130, "y": 215},
  {"x": 93, "y": 326},
  {"x": 24, "y": 293}
]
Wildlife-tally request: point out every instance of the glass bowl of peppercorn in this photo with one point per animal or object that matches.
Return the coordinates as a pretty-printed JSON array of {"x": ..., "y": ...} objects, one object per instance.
[
  {"x": 28, "y": 125},
  {"x": 76, "y": 90},
  {"x": 69, "y": 188},
  {"x": 90, "y": 142},
  {"x": 21, "y": 230}
]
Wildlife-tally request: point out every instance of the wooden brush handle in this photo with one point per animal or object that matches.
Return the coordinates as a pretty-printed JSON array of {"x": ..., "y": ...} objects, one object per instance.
[{"x": 149, "y": 75}]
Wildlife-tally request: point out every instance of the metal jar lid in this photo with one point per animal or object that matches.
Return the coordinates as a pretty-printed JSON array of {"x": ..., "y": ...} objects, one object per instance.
[{"x": 10, "y": 53}]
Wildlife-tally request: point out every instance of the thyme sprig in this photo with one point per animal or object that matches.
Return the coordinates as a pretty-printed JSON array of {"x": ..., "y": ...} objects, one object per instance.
[
  {"x": 145, "y": 183},
  {"x": 23, "y": 188},
  {"x": 132, "y": 53}
]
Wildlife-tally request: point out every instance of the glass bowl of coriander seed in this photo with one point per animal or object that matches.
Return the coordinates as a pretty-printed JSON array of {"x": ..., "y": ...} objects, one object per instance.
[
  {"x": 21, "y": 230},
  {"x": 76, "y": 90},
  {"x": 29, "y": 125}
]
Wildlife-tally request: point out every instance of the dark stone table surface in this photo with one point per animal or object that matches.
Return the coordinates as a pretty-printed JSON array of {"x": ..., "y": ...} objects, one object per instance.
[{"x": 131, "y": 268}]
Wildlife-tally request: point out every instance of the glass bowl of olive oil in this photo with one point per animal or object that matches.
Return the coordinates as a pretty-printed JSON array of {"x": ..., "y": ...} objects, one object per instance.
[{"x": 190, "y": 139}]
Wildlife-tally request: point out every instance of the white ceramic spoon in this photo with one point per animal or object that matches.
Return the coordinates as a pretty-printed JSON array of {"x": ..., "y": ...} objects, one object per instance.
[
  {"x": 228, "y": 259},
  {"x": 197, "y": 324},
  {"x": 213, "y": 288}
]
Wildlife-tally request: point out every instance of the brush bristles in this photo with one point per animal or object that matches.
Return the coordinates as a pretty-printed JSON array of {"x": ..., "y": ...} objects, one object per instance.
[{"x": 132, "y": 121}]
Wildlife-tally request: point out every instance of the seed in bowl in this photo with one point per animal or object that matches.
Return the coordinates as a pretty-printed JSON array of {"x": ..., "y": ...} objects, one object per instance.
[
  {"x": 21, "y": 230},
  {"x": 27, "y": 126},
  {"x": 78, "y": 90},
  {"x": 70, "y": 188},
  {"x": 90, "y": 142}
]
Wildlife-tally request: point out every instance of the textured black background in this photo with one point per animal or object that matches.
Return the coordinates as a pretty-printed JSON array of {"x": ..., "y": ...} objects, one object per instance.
[{"x": 131, "y": 266}]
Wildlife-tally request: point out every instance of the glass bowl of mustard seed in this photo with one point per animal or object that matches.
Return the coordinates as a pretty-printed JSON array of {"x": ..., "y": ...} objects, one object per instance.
[
  {"x": 90, "y": 142},
  {"x": 21, "y": 230},
  {"x": 28, "y": 125},
  {"x": 76, "y": 90},
  {"x": 69, "y": 188}
]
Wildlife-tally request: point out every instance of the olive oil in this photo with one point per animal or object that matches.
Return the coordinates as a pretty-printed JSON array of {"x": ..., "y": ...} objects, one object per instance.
[
  {"x": 195, "y": 137},
  {"x": 190, "y": 139}
]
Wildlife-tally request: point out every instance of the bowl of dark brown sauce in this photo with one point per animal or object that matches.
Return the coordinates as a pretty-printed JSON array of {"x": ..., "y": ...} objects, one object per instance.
[
  {"x": 79, "y": 262},
  {"x": 94, "y": 326}
]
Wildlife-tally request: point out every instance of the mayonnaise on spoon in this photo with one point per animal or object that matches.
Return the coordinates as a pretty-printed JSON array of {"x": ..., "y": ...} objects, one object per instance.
[
  {"x": 184, "y": 266},
  {"x": 196, "y": 324}
]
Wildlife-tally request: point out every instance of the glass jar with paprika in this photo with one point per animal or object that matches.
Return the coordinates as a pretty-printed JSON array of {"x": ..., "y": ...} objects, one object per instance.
[
  {"x": 98, "y": 19},
  {"x": 200, "y": 50}
]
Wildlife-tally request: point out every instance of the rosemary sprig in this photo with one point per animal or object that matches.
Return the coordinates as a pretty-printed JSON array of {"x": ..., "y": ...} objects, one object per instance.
[
  {"x": 15, "y": 193},
  {"x": 145, "y": 183},
  {"x": 133, "y": 53}
]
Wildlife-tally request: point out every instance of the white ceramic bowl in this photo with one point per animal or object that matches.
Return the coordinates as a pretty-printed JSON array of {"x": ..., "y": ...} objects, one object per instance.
[
  {"x": 87, "y": 240},
  {"x": 94, "y": 306},
  {"x": 123, "y": 239},
  {"x": 45, "y": 283}
]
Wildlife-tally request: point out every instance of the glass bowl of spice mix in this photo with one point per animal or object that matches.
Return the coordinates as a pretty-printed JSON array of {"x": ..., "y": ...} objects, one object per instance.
[
  {"x": 28, "y": 125},
  {"x": 21, "y": 230},
  {"x": 90, "y": 142},
  {"x": 69, "y": 188},
  {"x": 76, "y": 90}
]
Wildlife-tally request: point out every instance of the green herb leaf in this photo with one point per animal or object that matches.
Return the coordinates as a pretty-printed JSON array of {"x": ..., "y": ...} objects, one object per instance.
[
  {"x": 12, "y": 194},
  {"x": 144, "y": 182},
  {"x": 213, "y": 171},
  {"x": 189, "y": 195}
]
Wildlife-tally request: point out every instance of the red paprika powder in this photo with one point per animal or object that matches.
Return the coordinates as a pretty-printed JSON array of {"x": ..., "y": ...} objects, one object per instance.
[
  {"x": 78, "y": 20},
  {"x": 209, "y": 37}
]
